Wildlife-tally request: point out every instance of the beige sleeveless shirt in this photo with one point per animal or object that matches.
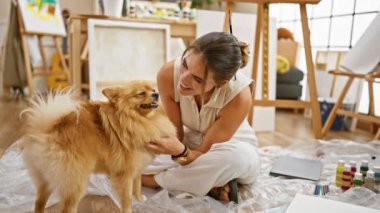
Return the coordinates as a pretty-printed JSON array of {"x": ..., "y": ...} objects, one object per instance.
[{"x": 200, "y": 121}]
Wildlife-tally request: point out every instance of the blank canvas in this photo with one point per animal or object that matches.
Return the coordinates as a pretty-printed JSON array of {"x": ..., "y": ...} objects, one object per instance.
[
  {"x": 310, "y": 204},
  {"x": 365, "y": 55},
  {"x": 120, "y": 51}
]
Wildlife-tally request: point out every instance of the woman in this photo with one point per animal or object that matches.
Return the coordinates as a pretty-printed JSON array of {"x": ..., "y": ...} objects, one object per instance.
[{"x": 208, "y": 101}]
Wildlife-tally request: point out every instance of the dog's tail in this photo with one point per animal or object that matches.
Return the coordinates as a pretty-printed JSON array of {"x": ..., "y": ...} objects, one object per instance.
[{"x": 46, "y": 110}]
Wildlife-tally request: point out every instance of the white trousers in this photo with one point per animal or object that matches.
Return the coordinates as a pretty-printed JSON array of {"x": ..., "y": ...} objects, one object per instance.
[{"x": 222, "y": 163}]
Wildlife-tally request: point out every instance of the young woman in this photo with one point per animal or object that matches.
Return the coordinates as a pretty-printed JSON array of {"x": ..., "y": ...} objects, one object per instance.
[{"x": 208, "y": 101}]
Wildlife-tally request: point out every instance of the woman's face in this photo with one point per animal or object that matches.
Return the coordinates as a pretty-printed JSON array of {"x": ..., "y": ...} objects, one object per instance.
[{"x": 191, "y": 75}]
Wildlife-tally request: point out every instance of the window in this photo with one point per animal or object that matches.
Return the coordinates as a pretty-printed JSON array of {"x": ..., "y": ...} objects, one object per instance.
[{"x": 335, "y": 25}]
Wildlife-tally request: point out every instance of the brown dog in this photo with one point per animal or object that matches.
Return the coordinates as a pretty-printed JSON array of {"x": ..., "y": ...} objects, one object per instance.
[{"x": 67, "y": 140}]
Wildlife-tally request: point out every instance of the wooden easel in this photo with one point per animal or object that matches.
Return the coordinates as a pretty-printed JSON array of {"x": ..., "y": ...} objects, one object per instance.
[
  {"x": 30, "y": 73},
  {"x": 336, "y": 110},
  {"x": 262, "y": 28}
]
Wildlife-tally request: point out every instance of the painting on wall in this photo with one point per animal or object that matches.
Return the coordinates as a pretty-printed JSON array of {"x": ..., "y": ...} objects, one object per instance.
[
  {"x": 120, "y": 51},
  {"x": 42, "y": 16}
]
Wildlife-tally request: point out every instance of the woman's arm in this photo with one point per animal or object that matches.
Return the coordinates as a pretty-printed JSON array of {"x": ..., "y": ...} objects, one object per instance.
[
  {"x": 165, "y": 81},
  {"x": 228, "y": 121}
]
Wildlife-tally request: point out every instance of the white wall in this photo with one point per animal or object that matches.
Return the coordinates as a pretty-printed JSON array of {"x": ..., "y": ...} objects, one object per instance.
[
  {"x": 241, "y": 7},
  {"x": 4, "y": 15},
  {"x": 79, "y": 6},
  {"x": 4, "y": 9}
]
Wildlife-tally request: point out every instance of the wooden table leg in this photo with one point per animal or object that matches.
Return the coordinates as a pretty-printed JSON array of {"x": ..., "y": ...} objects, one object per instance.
[{"x": 75, "y": 55}]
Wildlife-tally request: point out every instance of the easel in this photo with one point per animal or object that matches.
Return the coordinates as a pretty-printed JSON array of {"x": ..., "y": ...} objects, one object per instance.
[
  {"x": 28, "y": 66},
  {"x": 336, "y": 110},
  {"x": 262, "y": 28}
]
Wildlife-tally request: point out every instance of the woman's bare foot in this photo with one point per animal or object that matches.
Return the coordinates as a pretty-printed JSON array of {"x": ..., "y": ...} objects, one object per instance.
[
  {"x": 221, "y": 193},
  {"x": 149, "y": 181}
]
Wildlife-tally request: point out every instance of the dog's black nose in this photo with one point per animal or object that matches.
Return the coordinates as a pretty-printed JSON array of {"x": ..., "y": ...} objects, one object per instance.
[{"x": 155, "y": 95}]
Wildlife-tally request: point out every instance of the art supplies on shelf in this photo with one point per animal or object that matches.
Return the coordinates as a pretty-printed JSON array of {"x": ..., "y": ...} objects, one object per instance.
[{"x": 181, "y": 11}]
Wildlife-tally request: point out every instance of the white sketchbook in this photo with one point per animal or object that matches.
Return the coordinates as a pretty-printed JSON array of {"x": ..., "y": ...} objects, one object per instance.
[{"x": 310, "y": 204}]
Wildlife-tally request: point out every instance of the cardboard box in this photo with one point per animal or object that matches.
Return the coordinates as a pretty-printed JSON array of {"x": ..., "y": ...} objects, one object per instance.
[{"x": 288, "y": 49}]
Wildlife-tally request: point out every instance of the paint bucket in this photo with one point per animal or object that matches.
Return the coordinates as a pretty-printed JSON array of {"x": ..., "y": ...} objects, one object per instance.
[{"x": 113, "y": 7}]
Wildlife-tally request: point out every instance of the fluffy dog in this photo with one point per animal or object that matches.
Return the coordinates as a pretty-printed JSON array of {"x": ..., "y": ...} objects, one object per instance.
[{"x": 67, "y": 140}]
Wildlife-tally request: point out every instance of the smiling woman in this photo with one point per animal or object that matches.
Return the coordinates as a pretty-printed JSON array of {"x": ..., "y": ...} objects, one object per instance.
[
  {"x": 208, "y": 101},
  {"x": 193, "y": 79}
]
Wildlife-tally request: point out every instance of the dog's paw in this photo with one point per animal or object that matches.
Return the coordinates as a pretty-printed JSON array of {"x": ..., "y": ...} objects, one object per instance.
[{"x": 141, "y": 198}]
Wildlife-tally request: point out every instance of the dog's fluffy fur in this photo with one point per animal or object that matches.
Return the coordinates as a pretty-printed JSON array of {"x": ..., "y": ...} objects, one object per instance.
[{"x": 67, "y": 140}]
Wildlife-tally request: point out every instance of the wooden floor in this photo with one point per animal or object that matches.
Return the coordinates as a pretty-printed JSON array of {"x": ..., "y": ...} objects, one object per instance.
[
  {"x": 291, "y": 127},
  {"x": 10, "y": 124}
]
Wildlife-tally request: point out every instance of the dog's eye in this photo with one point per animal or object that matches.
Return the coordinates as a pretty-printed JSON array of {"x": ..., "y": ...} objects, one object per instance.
[{"x": 142, "y": 93}]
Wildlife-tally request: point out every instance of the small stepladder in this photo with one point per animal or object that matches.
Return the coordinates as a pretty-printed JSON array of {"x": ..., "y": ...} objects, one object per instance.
[
  {"x": 262, "y": 24},
  {"x": 44, "y": 71}
]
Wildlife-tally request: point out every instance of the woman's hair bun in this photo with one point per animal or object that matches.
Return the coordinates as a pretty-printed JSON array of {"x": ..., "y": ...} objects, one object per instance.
[{"x": 244, "y": 48}]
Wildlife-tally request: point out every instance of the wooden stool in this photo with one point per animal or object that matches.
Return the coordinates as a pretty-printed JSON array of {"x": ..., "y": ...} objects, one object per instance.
[{"x": 262, "y": 28}]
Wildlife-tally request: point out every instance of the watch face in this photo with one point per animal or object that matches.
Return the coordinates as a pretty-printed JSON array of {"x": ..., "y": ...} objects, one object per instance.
[{"x": 181, "y": 159}]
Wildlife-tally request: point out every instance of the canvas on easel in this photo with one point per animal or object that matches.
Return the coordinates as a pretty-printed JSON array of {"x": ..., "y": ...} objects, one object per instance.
[{"x": 41, "y": 18}]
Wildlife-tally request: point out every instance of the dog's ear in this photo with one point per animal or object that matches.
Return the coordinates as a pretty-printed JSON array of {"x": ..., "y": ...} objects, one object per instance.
[{"x": 112, "y": 93}]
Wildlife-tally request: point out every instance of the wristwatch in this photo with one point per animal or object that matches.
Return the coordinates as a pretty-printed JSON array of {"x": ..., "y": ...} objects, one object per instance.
[{"x": 183, "y": 157}]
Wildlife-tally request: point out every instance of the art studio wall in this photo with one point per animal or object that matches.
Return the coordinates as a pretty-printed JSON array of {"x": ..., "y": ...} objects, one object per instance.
[{"x": 4, "y": 14}]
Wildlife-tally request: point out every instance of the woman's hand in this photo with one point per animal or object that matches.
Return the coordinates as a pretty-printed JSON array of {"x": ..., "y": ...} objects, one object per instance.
[{"x": 167, "y": 145}]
